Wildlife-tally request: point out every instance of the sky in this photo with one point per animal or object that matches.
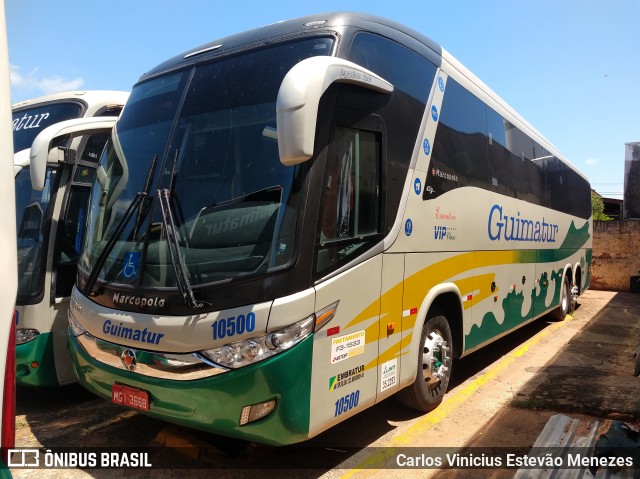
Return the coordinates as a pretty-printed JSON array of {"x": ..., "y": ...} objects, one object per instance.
[{"x": 570, "y": 67}]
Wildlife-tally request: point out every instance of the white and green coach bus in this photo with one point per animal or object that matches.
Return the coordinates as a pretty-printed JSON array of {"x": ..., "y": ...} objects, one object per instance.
[
  {"x": 50, "y": 222},
  {"x": 292, "y": 224},
  {"x": 8, "y": 263}
]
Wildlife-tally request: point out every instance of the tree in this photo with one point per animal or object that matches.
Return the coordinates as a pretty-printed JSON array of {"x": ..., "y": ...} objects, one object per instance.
[{"x": 597, "y": 207}]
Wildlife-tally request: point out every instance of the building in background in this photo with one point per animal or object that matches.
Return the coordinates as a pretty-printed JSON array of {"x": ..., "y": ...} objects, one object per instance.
[
  {"x": 613, "y": 208},
  {"x": 632, "y": 181}
]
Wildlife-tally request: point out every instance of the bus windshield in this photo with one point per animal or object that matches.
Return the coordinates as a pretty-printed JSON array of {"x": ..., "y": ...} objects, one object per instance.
[
  {"x": 28, "y": 123},
  {"x": 191, "y": 184},
  {"x": 31, "y": 214}
]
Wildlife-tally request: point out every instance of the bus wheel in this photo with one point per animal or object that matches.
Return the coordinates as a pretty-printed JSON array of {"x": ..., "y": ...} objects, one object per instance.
[
  {"x": 434, "y": 367},
  {"x": 565, "y": 301}
]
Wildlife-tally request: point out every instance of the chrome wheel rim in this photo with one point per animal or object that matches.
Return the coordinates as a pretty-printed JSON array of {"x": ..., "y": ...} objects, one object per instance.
[{"x": 435, "y": 358}]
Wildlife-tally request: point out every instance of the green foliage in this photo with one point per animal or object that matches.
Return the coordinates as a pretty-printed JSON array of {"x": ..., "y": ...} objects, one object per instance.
[{"x": 597, "y": 207}]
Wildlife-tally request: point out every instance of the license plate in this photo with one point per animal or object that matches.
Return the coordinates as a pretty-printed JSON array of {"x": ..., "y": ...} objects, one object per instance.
[{"x": 128, "y": 396}]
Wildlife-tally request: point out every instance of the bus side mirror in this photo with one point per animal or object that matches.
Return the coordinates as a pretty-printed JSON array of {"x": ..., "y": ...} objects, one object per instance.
[
  {"x": 299, "y": 97},
  {"x": 43, "y": 151}
]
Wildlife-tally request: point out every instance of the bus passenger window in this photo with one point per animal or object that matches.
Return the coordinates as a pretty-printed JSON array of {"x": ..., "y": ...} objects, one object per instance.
[
  {"x": 459, "y": 156},
  {"x": 350, "y": 205},
  {"x": 509, "y": 148}
]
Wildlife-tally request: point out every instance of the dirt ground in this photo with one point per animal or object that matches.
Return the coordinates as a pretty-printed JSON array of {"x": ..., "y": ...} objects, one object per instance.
[
  {"x": 582, "y": 367},
  {"x": 501, "y": 396}
]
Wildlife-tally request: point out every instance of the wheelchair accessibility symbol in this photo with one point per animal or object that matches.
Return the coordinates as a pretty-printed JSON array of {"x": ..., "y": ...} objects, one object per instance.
[{"x": 131, "y": 264}]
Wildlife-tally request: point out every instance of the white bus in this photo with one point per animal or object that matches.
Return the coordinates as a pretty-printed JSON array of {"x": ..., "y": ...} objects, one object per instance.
[
  {"x": 49, "y": 225},
  {"x": 325, "y": 212},
  {"x": 8, "y": 263}
]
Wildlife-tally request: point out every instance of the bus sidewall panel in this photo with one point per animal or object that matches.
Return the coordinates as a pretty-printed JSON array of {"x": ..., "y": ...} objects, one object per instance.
[{"x": 350, "y": 349}]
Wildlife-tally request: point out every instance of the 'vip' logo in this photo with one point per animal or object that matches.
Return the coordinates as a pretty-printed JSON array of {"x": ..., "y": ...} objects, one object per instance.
[{"x": 439, "y": 232}]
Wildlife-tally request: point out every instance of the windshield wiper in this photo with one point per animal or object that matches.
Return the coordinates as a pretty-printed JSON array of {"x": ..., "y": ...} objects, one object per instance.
[
  {"x": 104, "y": 254},
  {"x": 177, "y": 260},
  {"x": 142, "y": 211},
  {"x": 179, "y": 265}
]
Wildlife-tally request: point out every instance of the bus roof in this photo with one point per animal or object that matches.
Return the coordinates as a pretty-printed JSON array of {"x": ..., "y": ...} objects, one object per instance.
[
  {"x": 88, "y": 96},
  {"x": 337, "y": 22},
  {"x": 95, "y": 101},
  {"x": 320, "y": 23}
]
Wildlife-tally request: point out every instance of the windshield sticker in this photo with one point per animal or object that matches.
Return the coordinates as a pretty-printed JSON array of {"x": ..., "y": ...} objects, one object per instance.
[
  {"x": 131, "y": 264},
  {"x": 347, "y": 346}
]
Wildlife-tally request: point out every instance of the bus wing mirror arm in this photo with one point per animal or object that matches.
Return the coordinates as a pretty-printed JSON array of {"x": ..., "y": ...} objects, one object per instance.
[
  {"x": 42, "y": 151},
  {"x": 299, "y": 97}
]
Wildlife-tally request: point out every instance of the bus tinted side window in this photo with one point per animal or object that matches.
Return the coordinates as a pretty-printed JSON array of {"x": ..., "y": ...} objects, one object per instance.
[
  {"x": 580, "y": 197},
  {"x": 513, "y": 173},
  {"x": 392, "y": 61},
  {"x": 459, "y": 157},
  {"x": 476, "y": 146},
  {"x": 567, "y": 190},
  {"x": 412, "y": 77}
]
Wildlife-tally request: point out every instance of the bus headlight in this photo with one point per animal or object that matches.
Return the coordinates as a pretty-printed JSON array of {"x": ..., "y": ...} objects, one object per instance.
[
  {"x": 25, "y": 335},
  {"x": 259, "y": 348}
]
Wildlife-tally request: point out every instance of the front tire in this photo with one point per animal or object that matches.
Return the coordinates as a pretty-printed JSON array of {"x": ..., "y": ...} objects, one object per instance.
[{"x": 434, "y": 367}]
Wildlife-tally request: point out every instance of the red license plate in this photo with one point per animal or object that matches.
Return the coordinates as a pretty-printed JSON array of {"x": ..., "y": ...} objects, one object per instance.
[{"x": 128, "y": 396}]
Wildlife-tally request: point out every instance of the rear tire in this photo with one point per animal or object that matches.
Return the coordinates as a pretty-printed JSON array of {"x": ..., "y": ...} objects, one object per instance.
[
  {"x": 433, "y": 367},
  {"x": 566, "y": 302}
]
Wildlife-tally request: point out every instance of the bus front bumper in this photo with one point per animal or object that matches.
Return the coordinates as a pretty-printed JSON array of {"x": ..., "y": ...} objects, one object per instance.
[
  {"x": 35, "y": 363},
  {"x": 215, "y": 404}
]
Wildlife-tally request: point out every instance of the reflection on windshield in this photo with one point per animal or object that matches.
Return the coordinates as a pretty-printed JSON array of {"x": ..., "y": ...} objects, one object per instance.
[
  {"x": 232, "y": 204},
  {"x": 31, "y": 211}
]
